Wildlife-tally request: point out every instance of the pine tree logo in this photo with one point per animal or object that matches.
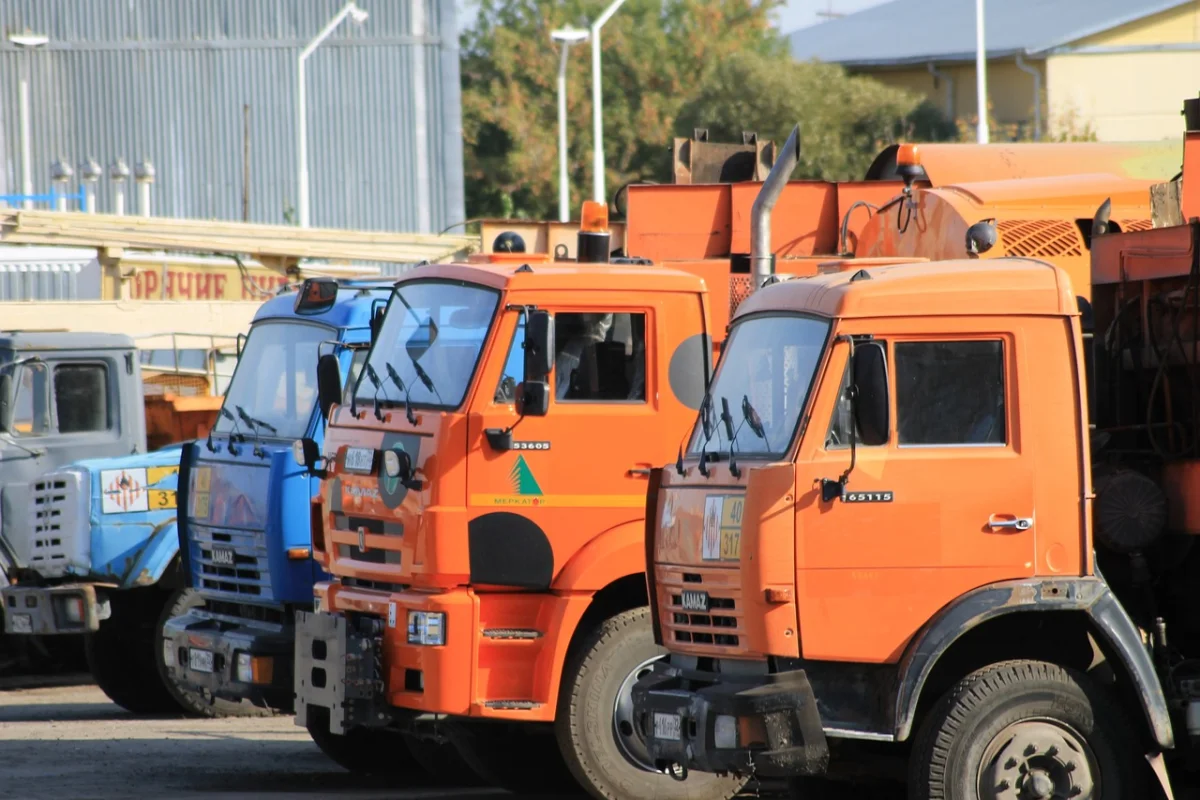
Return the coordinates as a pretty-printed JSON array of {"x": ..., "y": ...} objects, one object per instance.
[{"x": 522, "y": 479}]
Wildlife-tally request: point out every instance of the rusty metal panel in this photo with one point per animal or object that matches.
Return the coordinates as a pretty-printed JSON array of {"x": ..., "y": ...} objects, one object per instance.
[
  {"x": 697, "y": 160},
  {"x": 168, "y": 81},
  {"x": 671, "y": 222}
]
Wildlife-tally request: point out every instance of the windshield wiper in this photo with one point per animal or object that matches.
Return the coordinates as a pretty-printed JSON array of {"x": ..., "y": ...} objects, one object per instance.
[
  {"x": 395, "y": 378},
  {"x": 752, "y": 419},
  {"x": 425, "y": 379},
  {"x": 235, "y": 435},
  {"x": 727, "y": 421},
  {"x": 374, "y": 377},
  {"x": 255, "y": 424}
]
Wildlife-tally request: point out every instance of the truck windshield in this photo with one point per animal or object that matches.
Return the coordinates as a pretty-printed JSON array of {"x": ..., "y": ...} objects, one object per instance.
[
  {"x": 767, "y": 370},
  {"x": 276, "y": 380},
  {"x": 429, "y": 343}
]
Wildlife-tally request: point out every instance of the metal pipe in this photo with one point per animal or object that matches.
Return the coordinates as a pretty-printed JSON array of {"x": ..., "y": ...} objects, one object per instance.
[
  {"x": 26, "y": 170},
  {"x": 949, "y": 79},
  {"x": 980, "y": 75},
  {"x": 597, "y": 106},
  {"x": 420, "y": 114},
  {"x": 762, "y": 260},
  {"x": 1037, "y": 95},
  {"x": 564, "y": 191}
]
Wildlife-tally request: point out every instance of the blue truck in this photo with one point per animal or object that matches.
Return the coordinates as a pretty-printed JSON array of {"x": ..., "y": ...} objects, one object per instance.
[{"x": 244, "y": 502}]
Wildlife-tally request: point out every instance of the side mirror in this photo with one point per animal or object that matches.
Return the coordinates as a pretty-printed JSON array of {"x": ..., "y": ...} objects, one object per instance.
[
  {"x": 6, "y": 402},
  {"x": 307, "y": 454},
  {"x": 377, "y": 313},
  {"x": 539, "y": 347},
  {"x": 241, "y": 344},
  {"x": 872, "y": 414},
  {"x": 533, "y": 398},
  {"x": 329, "y": 383}
]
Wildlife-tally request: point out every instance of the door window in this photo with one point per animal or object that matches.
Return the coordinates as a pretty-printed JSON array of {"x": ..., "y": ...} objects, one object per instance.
[
  {"x": 514, "y": 367},
  {"x": 600, "y": 357},
  {"x": 31, "y": 413},
  {"x": 950, "y": 393},
  {"x": 81, "y": 397},
  {"x": 356, "y": 362}
]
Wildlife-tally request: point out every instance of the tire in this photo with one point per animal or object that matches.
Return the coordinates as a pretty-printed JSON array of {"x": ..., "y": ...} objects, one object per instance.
[
  {"x": 191, "y": 702},
  {"x": 588, "y": 724},
  {"x": 974, "y": 740},
  {"x": 121, "y": 654},
  {"x": 364, "y": 751},
  {"x": 521, "y": 757}
]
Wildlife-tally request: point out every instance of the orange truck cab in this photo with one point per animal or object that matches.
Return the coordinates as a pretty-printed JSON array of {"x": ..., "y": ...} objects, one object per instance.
[
  {"x": 942, "y": 516},
  {"x": 481, "y": 515}
]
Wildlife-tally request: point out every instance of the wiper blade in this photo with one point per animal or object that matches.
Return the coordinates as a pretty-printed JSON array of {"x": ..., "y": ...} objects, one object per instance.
[
  {"x": 426, "y": 380},
  {"x": 395, "y": 378},
  {"x": 378, "y": 384},
  {"x": 253, "y": 423},
  {"x": 753, "y": 419}
]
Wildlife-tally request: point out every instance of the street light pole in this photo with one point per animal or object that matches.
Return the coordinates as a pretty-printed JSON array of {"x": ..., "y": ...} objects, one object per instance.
[
  {"x": 26, "y": 41},
  {"x": 359, "y": 16},
  {"x": 981, "y": 130},
  {"x": 597, "y": 110},
  {"x": 566, "y": 37}
]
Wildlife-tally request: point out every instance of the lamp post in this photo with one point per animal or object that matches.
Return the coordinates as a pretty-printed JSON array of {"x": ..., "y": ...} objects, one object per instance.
[
  {"x": 26, "y": 41},
  {"x": 981, "y": 130},
  {"x": 597, "y": 115},
  {"x": 359, "y": 16},
  {"x": 566, "y": 37}
]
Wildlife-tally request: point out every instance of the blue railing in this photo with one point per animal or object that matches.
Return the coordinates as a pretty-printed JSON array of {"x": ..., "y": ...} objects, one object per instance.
[{"x": 16, "y": 200}]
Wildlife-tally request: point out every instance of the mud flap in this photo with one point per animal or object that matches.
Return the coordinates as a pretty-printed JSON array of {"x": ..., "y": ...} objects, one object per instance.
[{"x": 340, "y": 669}]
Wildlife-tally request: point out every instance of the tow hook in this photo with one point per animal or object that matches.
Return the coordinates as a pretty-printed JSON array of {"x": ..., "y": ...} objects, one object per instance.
[{"x": 676, "y": 770}]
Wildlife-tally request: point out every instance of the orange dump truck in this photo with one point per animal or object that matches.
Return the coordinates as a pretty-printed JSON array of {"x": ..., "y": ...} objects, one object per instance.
[{"x": 901, "y": 538}]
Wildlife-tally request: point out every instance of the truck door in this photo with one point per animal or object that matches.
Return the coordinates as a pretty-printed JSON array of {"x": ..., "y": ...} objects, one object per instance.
[
  {"x": 582, "y": 469},
  {"x": 945, "y": 506}
]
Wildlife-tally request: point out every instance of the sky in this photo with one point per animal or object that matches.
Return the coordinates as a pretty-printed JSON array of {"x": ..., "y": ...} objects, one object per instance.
[{"x": 794, "y": 15}]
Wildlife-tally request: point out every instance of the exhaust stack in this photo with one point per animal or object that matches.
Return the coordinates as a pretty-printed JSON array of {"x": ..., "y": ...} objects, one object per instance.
[{"x": 762, "y": 260}]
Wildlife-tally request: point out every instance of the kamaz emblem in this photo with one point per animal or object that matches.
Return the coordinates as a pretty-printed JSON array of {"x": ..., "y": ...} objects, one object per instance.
[{"x": 867, "y": 497}]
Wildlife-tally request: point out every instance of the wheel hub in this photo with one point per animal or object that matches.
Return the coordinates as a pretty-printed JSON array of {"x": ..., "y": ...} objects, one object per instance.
[
  {"x": 630, "y": 740},
  {"x": 1038, "y": 760}
]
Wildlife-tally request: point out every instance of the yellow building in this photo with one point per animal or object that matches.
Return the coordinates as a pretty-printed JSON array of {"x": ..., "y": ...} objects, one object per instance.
[{"x": 1120, "y": 68}]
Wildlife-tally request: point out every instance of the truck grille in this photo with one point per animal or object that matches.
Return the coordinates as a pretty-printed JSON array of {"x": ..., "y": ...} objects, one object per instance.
[
  {"x": 58, "y": 514},
  {"x": 246, "y": 577},
  {"x": 717, "y": 629}
]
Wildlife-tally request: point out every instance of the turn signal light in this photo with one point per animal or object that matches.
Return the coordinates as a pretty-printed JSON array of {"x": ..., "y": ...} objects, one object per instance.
[{"x": 298, "y": 553}]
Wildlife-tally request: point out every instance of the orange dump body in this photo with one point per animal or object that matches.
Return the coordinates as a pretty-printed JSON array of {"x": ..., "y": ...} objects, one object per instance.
[{"x": 171, "y": 418}]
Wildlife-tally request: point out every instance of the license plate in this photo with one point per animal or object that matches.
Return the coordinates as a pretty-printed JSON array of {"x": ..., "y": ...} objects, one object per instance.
[
  {"x": 359, "y": 459},
  {"x": 22, "y": 623},
  {"x": 200, "y": 660},
  {"x": 693, "y": 600},
  {"x": 667, "y": 726},
  {"x": 223, "y": 556}
]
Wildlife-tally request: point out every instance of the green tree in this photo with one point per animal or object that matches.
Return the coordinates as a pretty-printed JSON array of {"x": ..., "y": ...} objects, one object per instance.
[
  {"x": 655, "y": 52},
  {"x": 844, "y": 120}
]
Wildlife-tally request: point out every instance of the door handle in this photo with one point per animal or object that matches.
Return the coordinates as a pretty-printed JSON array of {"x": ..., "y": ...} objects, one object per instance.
[
  {"x": 640, "y": 471},
  {"x": 1014, "y": 524}
]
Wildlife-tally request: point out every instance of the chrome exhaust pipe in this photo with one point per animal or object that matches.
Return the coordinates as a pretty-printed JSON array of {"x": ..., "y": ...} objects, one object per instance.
[{"x": 762, "y": 260}]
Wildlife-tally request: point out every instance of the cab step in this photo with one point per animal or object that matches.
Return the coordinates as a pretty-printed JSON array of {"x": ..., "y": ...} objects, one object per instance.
[{"x": 512, "y": 705}]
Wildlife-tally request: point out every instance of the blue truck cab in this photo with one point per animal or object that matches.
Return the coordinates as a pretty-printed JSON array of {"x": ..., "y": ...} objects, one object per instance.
[{"x": 244, "y": 502}]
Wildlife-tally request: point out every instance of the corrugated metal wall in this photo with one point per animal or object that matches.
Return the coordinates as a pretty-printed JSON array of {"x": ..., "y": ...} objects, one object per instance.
[{"x": 167, "y": 80}]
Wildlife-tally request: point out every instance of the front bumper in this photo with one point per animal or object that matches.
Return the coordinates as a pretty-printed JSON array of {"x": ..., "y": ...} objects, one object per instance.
[
  {"x": 339, "y": 668},
  {"x": 778, "y": 728},
  {"x": 269, "y": 644},
  {"x": 44, "y": 610}
]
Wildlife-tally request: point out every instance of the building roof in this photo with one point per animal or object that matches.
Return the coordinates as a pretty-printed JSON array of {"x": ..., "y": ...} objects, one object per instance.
[
  {"x": 988, "y": 287},
  {"x": 920, "y": 31}
]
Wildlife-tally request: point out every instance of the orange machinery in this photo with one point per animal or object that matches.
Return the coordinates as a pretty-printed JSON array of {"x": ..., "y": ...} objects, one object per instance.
[{"x": 943, "y": 517}]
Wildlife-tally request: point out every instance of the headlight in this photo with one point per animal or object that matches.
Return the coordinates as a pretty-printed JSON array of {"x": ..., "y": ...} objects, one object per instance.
[
  {"x": 245, "y": 668},
  {"x": 725, "y": 732},
  {"x": 298, "y": 452},
  {"x": 72, "y": 606},
  {"x": 168, "y": 653},
  {"x": 427, "y": 628},
  {"x": 391, "y": 464}
]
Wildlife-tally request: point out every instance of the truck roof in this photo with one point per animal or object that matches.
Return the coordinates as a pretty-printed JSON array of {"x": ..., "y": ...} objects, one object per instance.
[
  {"x": 348, "y": 311},
  {"x": 64, "y": 340},
  {"x": 1017, "y": 286},
  {"x": 564, "y": 275}
]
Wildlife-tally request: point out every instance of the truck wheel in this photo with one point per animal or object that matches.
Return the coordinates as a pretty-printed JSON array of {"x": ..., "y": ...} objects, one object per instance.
[
  {"x": 1025, "y": 729},
  {"x": 121, "y": 654},
  {"x": 520, "y": 757},
  {"x": 603, "y": 747},
  {"x": 188, "y": 700},
  {"x": 363, "y": 751}
]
